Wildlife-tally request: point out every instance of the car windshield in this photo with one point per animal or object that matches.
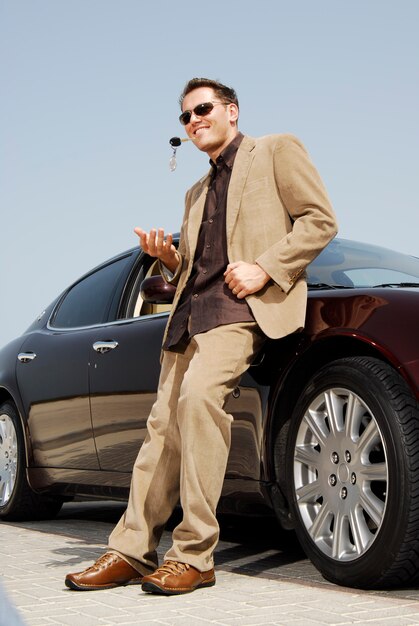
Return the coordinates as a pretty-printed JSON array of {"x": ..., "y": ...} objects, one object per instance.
[{"x": 348, "y": 264}]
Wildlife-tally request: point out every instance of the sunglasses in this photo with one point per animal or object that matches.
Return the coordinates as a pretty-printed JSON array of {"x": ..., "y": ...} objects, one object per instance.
[{"x": 200, "y": 111}]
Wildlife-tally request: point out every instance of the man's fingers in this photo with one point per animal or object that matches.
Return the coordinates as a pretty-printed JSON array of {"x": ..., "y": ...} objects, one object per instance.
[
  {"x": 159, "y": 240},
  {"x": 154, "y": 243},
  {"x": 231, "y": 266},
  {"x": 238, "y": 290},
  {"x": 140, "y": 232},
  {"x": 143, "y": 238}
]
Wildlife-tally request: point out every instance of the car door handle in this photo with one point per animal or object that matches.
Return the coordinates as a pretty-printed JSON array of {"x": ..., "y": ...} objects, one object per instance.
[
  {"x": 104, "y": 346},
  {"x": 26, "y": 357}
]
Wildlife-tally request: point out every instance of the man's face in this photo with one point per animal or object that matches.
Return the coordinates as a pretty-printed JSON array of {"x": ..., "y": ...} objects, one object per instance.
[{"x": 213, "y": 132}]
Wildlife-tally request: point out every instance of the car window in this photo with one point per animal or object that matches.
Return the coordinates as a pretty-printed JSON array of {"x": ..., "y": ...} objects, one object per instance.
[
  {"x": 95, "y": 298},
  {"x": 354, "y": 264},
  {"x": 371, "y": 276}
]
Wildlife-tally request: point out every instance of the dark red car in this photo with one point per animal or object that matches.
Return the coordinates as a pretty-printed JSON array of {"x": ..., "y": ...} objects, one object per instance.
[{"x": 326, "y": 421}]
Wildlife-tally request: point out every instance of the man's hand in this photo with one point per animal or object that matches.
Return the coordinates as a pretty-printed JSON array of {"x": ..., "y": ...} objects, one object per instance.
[
  {"x": 156, "y": 245},
  {"x": 245, "y": 278}
]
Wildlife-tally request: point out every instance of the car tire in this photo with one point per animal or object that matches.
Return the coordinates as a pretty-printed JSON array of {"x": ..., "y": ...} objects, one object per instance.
[
  {"x": 17, "y": 500},
  {"x": 352, "y": 474}
]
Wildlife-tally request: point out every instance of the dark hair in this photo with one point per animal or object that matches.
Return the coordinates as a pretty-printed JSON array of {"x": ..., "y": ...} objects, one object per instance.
[{"x": 226, "y": 94}]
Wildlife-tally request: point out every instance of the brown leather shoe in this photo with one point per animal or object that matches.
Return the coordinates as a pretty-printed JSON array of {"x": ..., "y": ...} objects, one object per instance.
[
  {"x": 173, "y": 578},
  {"x": 109, "y": 571}
]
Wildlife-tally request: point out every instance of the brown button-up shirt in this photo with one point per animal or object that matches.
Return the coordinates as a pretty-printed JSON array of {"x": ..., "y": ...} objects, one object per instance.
[{"x": 206, "y": 301}]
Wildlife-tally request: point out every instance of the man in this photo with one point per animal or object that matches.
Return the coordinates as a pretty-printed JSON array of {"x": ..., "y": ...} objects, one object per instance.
[{"x": 250, "y": 228}]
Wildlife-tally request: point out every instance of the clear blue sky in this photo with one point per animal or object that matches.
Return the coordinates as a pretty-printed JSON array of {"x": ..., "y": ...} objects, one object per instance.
[{"x": 89, "y": 102}]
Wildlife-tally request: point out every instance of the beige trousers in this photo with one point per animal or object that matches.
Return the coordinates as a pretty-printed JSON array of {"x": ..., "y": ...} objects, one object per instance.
[{"x": 184, "y": 455}]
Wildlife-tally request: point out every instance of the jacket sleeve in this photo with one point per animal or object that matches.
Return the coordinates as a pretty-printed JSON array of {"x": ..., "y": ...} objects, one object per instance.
[{"x": 304, "y": 197}]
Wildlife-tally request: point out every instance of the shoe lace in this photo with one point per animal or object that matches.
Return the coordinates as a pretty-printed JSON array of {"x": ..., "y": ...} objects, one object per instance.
[
  {"x": 102, "y": 562},
  {"x": 173, "y": 567}
]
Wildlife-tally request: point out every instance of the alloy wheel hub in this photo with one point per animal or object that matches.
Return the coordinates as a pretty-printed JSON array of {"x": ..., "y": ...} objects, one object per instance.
[
  {"x": 8, "y": 458},
  {"x": 340, "y": 474}
]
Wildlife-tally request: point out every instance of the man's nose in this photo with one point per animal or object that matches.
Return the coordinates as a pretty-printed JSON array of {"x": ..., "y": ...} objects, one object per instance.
[{"x": 195, "y": 117}]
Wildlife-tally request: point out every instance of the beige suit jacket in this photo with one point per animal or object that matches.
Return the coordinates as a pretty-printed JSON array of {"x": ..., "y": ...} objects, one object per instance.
[{"x": 278, "y": 215}]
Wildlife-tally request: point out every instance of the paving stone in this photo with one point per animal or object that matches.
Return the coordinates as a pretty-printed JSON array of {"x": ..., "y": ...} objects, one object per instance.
[{"x": 255, "y": 585}]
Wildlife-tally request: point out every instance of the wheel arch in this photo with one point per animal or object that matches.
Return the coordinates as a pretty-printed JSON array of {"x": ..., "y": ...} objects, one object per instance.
[
  {"x": 285, "y": 395},
  {"x": 6, "y": 396}
]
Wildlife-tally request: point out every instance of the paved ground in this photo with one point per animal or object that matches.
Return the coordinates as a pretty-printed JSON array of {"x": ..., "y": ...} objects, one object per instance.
[{"x": 262, "y": 578}]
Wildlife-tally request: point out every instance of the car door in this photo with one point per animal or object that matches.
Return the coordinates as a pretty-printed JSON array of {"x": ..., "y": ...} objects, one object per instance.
[
  {"x": 52, "y": 376},
  {"x": 53, "y": 369},
  {"x": 124, "y": 373},
  {"x": 123, "y": 376}
]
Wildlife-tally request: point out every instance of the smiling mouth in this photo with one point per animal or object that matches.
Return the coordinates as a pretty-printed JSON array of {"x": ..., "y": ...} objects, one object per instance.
[{"x": 201, "y": 128}]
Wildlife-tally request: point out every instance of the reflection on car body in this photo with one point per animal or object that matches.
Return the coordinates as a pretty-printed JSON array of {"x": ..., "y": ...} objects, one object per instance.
[{"x": 326, "y": 421}]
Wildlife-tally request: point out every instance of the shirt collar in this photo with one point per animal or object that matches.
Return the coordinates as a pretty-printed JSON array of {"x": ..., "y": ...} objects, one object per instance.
[{"x": 228, "y": 155}]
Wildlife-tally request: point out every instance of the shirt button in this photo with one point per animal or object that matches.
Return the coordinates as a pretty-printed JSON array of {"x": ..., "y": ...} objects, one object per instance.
[
  {"x": 195, "y": 295},
  {"x": 208, "y": 245},
  {"x": 204, "y": 271},
  {"x": 211, "y": 220}
]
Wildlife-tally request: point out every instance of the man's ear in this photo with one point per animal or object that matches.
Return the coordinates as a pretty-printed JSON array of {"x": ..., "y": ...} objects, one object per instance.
[{"x": 233, "y": 111}]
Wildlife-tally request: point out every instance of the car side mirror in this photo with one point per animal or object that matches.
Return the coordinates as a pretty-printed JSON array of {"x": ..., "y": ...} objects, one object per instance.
[{"x": 155, "y": 290}]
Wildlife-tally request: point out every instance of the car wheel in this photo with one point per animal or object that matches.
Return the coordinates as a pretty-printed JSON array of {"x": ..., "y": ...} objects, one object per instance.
[
  {"x": 17, "y": 500},
  {"x": 352, "y": 471}
]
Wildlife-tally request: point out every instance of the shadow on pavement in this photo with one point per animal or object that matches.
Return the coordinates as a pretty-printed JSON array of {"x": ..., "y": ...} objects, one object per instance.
[{"x": 247, "y": 546}]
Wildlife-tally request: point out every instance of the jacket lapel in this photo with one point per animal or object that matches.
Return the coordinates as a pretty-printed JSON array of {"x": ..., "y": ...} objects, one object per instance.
[
  {"x": 242, "y": 163},
  {"x": 196, "y": 213}
]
